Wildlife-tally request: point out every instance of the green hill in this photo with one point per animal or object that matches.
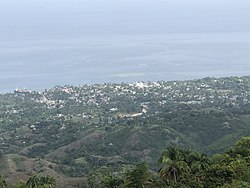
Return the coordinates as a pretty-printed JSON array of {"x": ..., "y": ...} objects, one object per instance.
[{"x": 70, "y": 131}]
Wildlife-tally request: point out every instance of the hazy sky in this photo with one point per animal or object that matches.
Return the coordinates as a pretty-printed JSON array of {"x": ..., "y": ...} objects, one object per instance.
[
  {"x": 48, "y": 42},
  {"x": 67, "y": 18}
]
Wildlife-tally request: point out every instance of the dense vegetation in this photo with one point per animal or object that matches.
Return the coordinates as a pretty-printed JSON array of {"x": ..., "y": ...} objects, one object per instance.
[
  {"x": 71, "y": 132},
  {"x": 178, "y": 168},
  {"x": 186, "y": 169},
  {"x": 32, "y": 182}
]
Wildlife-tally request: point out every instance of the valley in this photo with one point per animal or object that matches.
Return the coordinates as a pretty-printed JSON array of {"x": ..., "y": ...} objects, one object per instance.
[{"x": 70, "y": 131}]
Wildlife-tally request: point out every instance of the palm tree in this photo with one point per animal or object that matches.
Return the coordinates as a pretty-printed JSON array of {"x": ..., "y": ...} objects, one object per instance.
[
  {"x": 48, "y": 181},
  {"x": 33, "y": 182},
  {"x": 38, "y": 182},
  {"x": 171, "y": 153},
  {"x": 137, "y": 177},
  {"x": 111, "y": 181},
  {"x": 174, "y": 164},
  {"x": 198, "y": 162}
]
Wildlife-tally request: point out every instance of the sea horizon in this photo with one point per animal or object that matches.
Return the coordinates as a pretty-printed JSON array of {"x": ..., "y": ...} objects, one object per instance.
[{"x": 37, "y": 64}]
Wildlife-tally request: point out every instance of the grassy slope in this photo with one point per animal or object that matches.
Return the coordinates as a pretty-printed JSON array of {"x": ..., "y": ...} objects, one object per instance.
[
  {"x": 209, "y": 133},
  {"x": 17, "y": 168},
  {"x": 115, "y": 145}
]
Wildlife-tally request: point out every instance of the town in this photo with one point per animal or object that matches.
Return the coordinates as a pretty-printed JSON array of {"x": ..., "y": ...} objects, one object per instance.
[{"x": 80, "y": 128}]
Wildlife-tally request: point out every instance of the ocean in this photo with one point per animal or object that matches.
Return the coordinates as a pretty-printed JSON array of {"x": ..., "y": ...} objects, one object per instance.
[{"x": 42, "y": 63}]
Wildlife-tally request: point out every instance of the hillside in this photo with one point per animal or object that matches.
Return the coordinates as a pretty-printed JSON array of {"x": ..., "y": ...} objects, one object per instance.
[
  {"x": 69, "y": 131},
  {"x": 16, "y": 168}
]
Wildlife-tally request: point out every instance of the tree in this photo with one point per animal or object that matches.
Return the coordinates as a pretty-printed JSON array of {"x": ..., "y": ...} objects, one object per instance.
[
  {"x": 242, "y": 147},
  {"x": 137, "y": 177},
  {"x": 174, "y": 164},
  {"x": 198, "y": 162},
  {"x": 218, "y": 175},
  {"x": 111, "y": 181},
  {"x": 41, "y": 182},
  {"x": 33, "y": 182},
  {"x": 48, "y": 181},
  {"x": 2, "y": 182}
]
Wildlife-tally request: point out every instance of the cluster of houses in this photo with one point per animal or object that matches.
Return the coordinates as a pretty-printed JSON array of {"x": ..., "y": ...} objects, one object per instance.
[{"x": 233, "y": 91}]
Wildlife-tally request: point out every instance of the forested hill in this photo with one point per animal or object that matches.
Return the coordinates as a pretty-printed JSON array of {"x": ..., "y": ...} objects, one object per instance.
[{"x": 74, "y": 130}]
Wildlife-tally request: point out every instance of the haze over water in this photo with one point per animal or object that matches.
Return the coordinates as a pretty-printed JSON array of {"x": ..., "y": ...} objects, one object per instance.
[{"x": 45, "y": 43}]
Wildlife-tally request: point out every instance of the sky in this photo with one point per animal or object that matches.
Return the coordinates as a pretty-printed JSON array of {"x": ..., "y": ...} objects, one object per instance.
[
  {"x": 21, "y": 19},
  {"x": 49, "y": 42}
]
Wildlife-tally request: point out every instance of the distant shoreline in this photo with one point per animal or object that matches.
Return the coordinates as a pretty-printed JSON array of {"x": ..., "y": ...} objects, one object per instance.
[{"x": 139, "y": 81}]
